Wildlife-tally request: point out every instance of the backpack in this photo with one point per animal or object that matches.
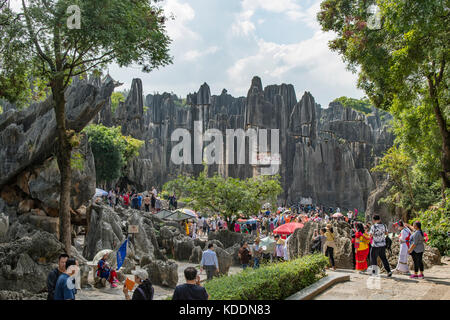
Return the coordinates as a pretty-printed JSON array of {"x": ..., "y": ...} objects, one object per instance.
[{"x": 388, "y": 242}]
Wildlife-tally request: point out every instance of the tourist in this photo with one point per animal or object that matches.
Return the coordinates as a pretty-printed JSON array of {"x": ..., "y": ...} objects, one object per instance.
[
  {"x": 105, "y": 272},
  {"x": 173, "y": 202},
  {"x": 330, "y": 245},
  {"x": 237, "y": 227},
  {"x": 362, "y": 240},
  {"x": 126, "y": 199},
  {"x": 404, "y": 239},
  {"x": 318, "y": 241},
  {"x": 194, "y": 230},
  {"x": 209, "y": 262},
  {"x": 158, "y": 204},
  {"x": 54, "y": 275},
  {"x": 378, "y": 232},
  {"x": 350, "y": 216},
  {"x": 65, "y": 285},
  {"x": 191, "y": 290},
  {"x": 244, "y": 255},
  {"x": 353, "y": 236},
  {"x": 279, "y": 249},
  {"x": 153, "y": 202},
  {"x": 200, "y": 222},
  {"x": 417, "y": 249},
  {"x": 117, "y": 196},
  {"x": 144, "y": 291},
  {"x": 154, "y": 192},
  {"x": 257, "y": 251},
  {"x": 147, "y": 201},
  {"x": 213, "y": 225},
  {"x": 139, "y": 201}
]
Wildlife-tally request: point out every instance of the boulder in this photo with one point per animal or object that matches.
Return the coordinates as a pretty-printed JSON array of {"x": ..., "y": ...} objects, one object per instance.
[
  {"x": 299, "y": 243},
  {"x": 25, "y": 206},
  {"x": 224, "y": 259},
  {"x": 27, "y": 137},
  {"x": 163, "y": 273},
  {"x": 229, "y": 238},
  {"x": 215, "y": 242},
  {"x": 233, "y": 251},
  {"x": 4, "y": 225},
  {"x": 21, "y": 295},
  {"x": 196, "y": 255},
  {"x": 44, "y": 182},
  {"x": 200, "y": 243},
  {"x": 26, "y": 261},
  {"x": 42, "y": 222},
  {"x": 182, "y": 247},
  {"x": 145, "y": 241},
  {"x": 105, "y": 231}
]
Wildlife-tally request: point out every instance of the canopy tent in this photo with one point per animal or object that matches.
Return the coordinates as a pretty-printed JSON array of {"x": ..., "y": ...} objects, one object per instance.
[
  {"x": 288, "y": 228},
  {"x": 189, "y": 212},
  {"x": 179, "y": 216},
  {"x": 163, "y": 214},
  {"x": 100, "y": 193}
]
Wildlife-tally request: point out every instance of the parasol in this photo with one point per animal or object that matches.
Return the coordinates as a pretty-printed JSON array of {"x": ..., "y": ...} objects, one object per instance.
[
  {"x": 288, "y": 228},
  {"x": 100, "y": 193},
  {"x": 337, "y": 215},
  {"x": 100, "y": 255}
]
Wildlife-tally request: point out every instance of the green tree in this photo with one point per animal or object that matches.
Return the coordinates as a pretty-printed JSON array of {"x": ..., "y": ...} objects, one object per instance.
[
  {"x": 116, "y": 98},
  {"x": 120, "y": 31},
  {"x": 362, "y": 105},
  {"x": 227, "y": 196},
  {"x": 112, "y": 151},
  {"x": 403, "y": 62}
]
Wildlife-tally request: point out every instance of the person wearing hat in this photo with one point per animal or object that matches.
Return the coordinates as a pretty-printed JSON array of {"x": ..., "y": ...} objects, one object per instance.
[
  {"x": 279, "y": 248},
  {"x": 144, "y": 291}
]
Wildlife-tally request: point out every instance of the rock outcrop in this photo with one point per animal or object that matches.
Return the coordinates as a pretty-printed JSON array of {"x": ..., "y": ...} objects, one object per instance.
[
  {"x": 326, "y": 154},
  {"x": 163, "y": 273}
]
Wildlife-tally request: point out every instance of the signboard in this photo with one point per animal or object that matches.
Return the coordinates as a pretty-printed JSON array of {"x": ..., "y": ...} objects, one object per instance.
[{"x": 133, "y": 229}]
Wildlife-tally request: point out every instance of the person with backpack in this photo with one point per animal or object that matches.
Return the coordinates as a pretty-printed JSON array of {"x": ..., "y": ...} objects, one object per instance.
[
  {"x": 379, "y": 232},
  {"x": 144, "y": 291},
  {"x": 362, "y": 240},
  {"x": 404, "y": 238},
  {"x": 416, "y": 249}
]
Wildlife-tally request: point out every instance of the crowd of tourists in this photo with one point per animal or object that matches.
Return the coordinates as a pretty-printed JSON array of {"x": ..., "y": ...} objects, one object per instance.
[{"x": 148, "y": 201}]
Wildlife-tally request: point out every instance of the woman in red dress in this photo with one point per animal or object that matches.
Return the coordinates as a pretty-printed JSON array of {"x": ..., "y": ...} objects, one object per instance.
[{"x": 362, "y": 240}]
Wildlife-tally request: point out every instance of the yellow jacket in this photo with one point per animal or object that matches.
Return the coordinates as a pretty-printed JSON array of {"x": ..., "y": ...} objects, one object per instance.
[{"x": 363, "y": 242}]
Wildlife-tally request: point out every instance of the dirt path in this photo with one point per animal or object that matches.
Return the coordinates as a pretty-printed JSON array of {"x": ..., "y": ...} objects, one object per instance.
[{"x": 435, "y": 286}]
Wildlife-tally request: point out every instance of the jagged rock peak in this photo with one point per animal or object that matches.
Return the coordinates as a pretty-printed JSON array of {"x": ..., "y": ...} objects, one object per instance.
[
  {"x": 256, "y": 85},
  {"x": 204, "y": 95}
]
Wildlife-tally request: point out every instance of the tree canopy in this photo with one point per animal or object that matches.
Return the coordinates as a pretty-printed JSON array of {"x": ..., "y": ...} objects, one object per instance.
[
  {"x": 362, "y": 105},
  {"x": 112, "y": 151},
  {"x": 402, "y": 60},
  {"x": 227, "y": 196}
]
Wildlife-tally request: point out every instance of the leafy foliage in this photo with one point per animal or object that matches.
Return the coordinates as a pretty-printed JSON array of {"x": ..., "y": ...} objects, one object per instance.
[
  {"x": 362, "y": 105},
  {"x": 270, "y": 282},
  {"x": 116, "y": 97},
  {"x": 436, "y": 222},
  {"x": 111, "y": 150},
  {"x": 225, "y": 195}
]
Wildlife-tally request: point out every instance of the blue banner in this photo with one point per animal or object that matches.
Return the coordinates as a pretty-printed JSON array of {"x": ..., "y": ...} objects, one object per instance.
[{"x": 121, "y": 254}]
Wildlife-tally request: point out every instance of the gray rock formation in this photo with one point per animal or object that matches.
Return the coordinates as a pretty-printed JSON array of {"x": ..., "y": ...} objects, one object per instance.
[
  {"x": 196, "y": 255},
  {"x": 224, "y": 259},
  {"x": 163, "y": 273},
  {"x": 228, "y": 238},
  {"x": 326, "y": 154},
  {"x": 182, "y": 247},
  {"x": 27, "y": 137}
]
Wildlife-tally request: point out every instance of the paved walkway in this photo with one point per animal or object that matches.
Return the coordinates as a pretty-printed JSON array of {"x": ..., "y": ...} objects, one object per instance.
[
  {"x": 435, "y": 286},
  {"x": 161, "y": 293}
]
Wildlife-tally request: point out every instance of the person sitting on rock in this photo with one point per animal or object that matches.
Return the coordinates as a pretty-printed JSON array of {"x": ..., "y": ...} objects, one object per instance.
[
  {"x": 105, "y": 272},
  {"x": 144, "y": 291}
]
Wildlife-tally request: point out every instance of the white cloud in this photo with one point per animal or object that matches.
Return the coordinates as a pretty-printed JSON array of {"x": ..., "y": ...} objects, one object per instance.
[
  {"x": 183, "y": 14},
  {"x": 277, "y": 62},
  {"x": 192, "y": 55}
]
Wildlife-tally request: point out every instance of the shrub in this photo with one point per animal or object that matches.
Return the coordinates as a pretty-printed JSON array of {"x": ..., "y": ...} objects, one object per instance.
[
  {"x": 436, "y": 222},
  {"x": 276, "y": 281}
]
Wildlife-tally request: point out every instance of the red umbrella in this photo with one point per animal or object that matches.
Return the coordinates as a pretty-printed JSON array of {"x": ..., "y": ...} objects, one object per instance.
[{"x": 288, "y": 228}]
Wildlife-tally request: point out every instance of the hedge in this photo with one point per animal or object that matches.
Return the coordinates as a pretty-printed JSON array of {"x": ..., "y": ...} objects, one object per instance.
[{"x": 275, "y": 281}]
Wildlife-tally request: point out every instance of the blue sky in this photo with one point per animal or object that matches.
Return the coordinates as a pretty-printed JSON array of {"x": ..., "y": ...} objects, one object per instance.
[{"x": 227, "y": 42}]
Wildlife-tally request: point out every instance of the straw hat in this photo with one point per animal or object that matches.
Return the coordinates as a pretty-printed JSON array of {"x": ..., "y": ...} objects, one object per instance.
[{"x": 280, "y": 241}]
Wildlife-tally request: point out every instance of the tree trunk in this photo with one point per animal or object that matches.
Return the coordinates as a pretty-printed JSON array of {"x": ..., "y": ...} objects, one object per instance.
[
  {"x": 445, "y": 134},
  {"x": 64, "y": 151}
]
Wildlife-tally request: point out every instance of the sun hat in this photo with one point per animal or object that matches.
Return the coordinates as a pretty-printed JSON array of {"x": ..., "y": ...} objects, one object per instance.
[{"x": 142, "y": 274}]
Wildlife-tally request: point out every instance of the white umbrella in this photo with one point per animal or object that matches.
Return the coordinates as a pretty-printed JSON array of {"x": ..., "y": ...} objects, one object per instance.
[
  {"x": 100, "y": 193},
  {"x": 100, "y": 255}
]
